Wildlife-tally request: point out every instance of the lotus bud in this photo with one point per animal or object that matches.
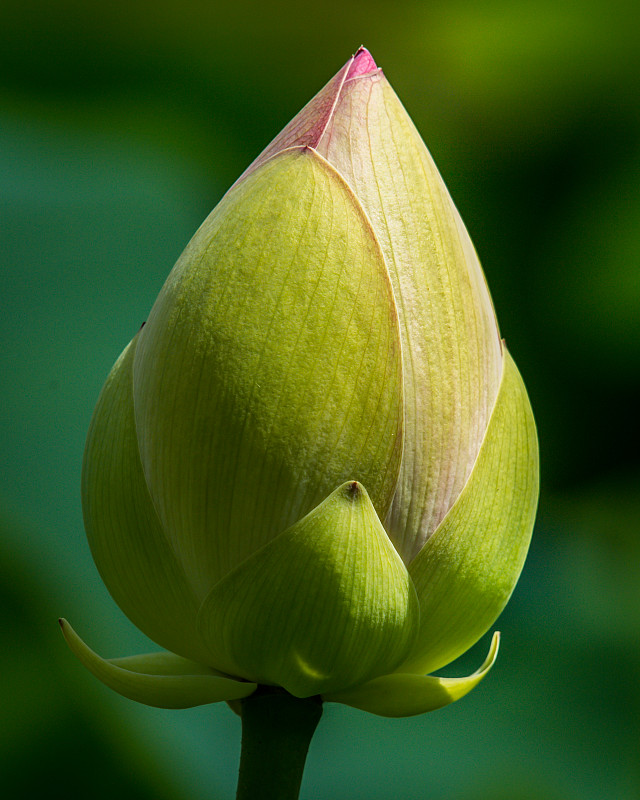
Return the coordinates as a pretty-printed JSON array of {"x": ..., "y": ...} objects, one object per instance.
[{"x": 315, "y": 467}]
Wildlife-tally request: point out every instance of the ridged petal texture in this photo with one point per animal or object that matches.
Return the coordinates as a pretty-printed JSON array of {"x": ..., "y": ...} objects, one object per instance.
[
  {"x": 269, "y": 371},
  {"x": 467, "y": 570},
  {"x": 325, "y": 605},
  {"x": 164, "y": 680},
  {"x": 451, "y": 350}
]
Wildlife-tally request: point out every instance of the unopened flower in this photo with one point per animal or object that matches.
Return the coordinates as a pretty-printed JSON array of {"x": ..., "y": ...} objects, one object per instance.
[{"x": 315, "y": 466}]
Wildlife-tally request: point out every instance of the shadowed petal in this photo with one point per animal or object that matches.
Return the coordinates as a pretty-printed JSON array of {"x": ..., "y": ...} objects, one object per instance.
[{"x": 132, "y": 552}]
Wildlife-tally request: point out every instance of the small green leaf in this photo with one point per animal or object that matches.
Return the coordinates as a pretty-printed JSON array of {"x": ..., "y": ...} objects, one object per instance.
[
  {"x": 405, "y": 695},
  {"x": 163, "y": 680},
  {"x": 467, "y": 570},
  {"x": 326, "y": 605}
]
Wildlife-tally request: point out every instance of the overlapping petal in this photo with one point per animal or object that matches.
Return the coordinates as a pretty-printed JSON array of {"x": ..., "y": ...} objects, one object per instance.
[
  {"x": 452, "y": 360},
  {"x": 269, "y": 370},
  {"x": 325, "y": 605}
]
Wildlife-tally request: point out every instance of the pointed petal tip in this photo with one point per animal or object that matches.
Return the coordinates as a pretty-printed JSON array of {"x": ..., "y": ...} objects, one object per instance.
[{"x": 362, "y": 63}]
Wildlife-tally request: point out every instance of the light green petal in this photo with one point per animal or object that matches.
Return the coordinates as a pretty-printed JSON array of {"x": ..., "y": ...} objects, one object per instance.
[
  {"x": 451, "y": 350},
  {"x": 405, "y": 695},
  {"x": 326, "y": 605},
  {"x": 269, "y": 370},
  {"x": 469, "y": 567},
  {"x": 130, "y": 549},
  {"x": 163, "y": 680}
]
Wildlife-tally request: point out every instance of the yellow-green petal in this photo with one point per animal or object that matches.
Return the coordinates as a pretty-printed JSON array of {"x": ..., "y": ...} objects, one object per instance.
[
  {"x": 163, "y": 680},
  {"x": 326, "y": 605},
  {"x": 405, "y": 695},
  {"x": 130, "y": 548},
  {"x": 269, "y": 370},
  {"x": 467, "y": 570}
]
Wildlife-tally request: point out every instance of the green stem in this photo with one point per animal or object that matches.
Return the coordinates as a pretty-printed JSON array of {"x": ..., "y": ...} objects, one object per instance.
[{"x": 276, "y": 731}]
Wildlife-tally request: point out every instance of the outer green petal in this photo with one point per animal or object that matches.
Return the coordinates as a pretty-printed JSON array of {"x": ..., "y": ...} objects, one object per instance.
[
  {"x": 163, "y": 680},
  {"x": 269, "y": 370},
  {"x": 129, "y": 546},
  {"x": 451, "y": 350},
  {"x": 405, "y": 695},
  {"x": 326, "y": 605},
  {"x": 469, "y": 567}
]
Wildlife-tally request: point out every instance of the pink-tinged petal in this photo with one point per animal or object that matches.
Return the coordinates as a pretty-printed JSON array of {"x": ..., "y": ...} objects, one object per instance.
[
  {"x": 361, "y": 64},
  {"x": 308, "y": 126},
  {"x": 452, "y": 358}
]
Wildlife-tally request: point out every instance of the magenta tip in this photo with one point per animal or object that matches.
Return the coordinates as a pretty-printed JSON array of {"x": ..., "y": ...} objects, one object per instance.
[{"x": 362, "y": 64}]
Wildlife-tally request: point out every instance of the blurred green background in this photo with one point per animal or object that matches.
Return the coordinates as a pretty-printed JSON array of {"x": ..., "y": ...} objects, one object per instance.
[{"x": 121, "y": 124}]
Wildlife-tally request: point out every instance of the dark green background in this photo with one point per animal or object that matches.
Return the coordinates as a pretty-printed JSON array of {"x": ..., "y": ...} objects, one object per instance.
[{"x": 121, "y": 124}]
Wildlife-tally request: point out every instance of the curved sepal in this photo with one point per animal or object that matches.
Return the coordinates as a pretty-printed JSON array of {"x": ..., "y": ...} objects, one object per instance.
[
  {"x": 163, "y": 680},
  {"x": 467, "y": 570},
  {"x": 405, "y": 695},
  {"x": 326, "y": 605}
]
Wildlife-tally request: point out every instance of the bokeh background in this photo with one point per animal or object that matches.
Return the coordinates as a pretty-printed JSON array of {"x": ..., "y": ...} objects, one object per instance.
[{"x": 121, "y": 125}]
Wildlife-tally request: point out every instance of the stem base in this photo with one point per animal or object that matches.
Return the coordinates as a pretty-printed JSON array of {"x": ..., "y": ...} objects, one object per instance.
[{"x": 276, "y": 731}]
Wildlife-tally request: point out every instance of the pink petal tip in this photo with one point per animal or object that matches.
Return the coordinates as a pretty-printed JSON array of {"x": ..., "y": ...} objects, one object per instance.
[{"x": 362, "y": 64}]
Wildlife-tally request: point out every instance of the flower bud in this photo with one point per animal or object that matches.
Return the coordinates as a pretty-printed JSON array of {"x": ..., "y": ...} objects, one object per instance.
[{"x": 315, "y": 466}]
